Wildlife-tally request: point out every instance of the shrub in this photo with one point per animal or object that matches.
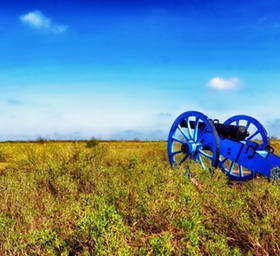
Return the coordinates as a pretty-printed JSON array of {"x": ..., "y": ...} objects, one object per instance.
[
  {"x": 102, "y": 231},
  {"x": 161, "y": 245},
  {"x": 93, "y": 142},
  {"x": 41, "y": 140}
]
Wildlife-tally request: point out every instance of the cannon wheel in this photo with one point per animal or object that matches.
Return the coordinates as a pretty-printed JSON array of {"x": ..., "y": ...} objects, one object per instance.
[
  {"x": 199, "y": 142},
  {"x": 234, "y": 170}
]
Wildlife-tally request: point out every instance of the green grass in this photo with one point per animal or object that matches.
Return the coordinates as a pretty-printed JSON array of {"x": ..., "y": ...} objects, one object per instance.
[{"x": 122, "y": 198}]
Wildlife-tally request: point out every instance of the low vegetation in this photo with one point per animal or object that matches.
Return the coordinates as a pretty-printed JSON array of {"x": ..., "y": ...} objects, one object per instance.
[{"x": 122, "y": 198}]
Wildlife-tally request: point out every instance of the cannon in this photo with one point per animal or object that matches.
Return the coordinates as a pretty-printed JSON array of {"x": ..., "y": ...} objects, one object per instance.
[{"x": 240, "y": 146}]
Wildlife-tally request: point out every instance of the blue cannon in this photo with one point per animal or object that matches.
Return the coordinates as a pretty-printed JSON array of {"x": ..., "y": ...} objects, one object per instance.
[{"x": 240, "y": 146}]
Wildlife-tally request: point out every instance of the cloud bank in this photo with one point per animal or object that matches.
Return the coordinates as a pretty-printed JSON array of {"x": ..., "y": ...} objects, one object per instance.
[
  {"x": 78, "y": 116},
  {"x": 55, "y": 116},
  {"x": 224, "y": 84},
  {"x": 37, "y": 20}
]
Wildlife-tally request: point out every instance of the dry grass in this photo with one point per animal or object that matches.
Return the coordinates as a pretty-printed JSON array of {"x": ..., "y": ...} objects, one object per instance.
[{"x": 122, "y": 198}]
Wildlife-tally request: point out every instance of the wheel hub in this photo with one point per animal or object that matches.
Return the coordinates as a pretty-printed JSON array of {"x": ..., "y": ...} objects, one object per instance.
[
  {"x": 185, "y": 148},
  {"x": 189, "y": 148}
]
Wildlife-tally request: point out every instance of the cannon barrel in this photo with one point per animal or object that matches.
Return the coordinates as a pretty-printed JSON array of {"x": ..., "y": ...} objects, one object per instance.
[
  {"x": 224, "y": 131},
  {"x": 232, "y": 131}
]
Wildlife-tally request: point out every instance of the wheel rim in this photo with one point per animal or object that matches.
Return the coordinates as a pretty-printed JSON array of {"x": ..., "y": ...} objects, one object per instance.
[
  {"x": 186, "y": 141},
  {"x": 258, "y": 138}
]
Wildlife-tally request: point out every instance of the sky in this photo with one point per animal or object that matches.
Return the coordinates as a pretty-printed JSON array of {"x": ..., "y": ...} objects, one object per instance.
[{"x": 126, "y": 69}]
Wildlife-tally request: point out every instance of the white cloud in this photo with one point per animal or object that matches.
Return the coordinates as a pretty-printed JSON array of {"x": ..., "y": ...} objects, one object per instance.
[
  {"x": 223, "y": 84},
  {"x": 38, "y": 20}
]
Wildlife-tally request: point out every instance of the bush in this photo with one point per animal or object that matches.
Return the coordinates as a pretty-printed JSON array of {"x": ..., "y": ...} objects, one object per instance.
[
  {"x": 41, "y": 140},
  {"x": 101, "y": 231},
  {"x": 161, "y": 245},
  {"x": 93, "y": 142}
]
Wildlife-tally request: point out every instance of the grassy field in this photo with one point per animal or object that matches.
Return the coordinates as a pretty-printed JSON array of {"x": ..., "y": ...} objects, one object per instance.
[{"x": 122, "y": 198}]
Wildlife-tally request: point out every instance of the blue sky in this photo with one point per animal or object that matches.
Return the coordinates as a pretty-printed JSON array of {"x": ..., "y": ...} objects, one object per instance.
[{"x": 126, "y": 69}]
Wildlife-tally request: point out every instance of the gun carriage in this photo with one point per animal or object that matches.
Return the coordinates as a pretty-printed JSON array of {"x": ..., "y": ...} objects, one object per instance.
[{"x": 240, "y": 146}]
